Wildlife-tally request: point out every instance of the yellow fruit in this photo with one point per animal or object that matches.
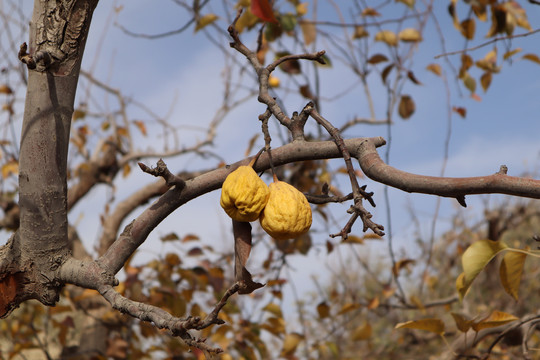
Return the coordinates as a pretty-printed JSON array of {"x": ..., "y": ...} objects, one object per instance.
[
  {"x": 244, "y": 194},
  {"x": 287, "y": 214},
  {"x": 273, "y": 81}
]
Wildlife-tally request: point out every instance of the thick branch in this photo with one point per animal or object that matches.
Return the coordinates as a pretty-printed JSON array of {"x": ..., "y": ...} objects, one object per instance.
[
  {"x": 374, "y": 167},
  {"x": 131, "y": 239}
]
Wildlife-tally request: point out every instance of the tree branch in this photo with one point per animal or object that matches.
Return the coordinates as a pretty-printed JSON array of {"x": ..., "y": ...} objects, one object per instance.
[{"x": 499, "y": 183}]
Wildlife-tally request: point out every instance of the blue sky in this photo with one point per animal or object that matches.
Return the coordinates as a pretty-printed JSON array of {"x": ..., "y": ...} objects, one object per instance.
[{"x": 185, "y": 70}]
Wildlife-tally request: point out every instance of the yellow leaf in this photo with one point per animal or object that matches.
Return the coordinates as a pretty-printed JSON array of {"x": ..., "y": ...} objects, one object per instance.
[
  {"x": 485, "y": 80},
  {"x": 302, "y": 9},
  {"x": 489, "y": 62},
  {"x": 363, "y": 332},
  {"x": 510, "y": 272},
  {"x": 360, "y": 32},
  {"x": 462, "y": 323},
  {"x": 374, "y": 303},
  {"x": 410, "y": 35},
  {"x": 274, "y": 325},
  {"x": 508, "y": 54},
  {"x": 274, "y": 309},
  {"x": 435, "y": 68},
  {"x": 290, "y": 343},
  {"x": 409, "y": 3},
  {"x": 470, "y": 83},
  {"x": 10, "y": 168},
  {"x": 387, "y": 36},
  {"x": 205, "y": 20},
  {"x": 532, "y": 57},
  {"x": 462, "y": 287},
  {"x": 477, "y": 256},
  {"x": 140, "y": 125},
  {"x": 348, "y": 307},
  {"x": 433, "y": 325},
  {"x": 323, "y": 310},
  {"x": 126, "y": 170},
  {"x": 496, "y": 318},
  {"x": 415, "y": 300},
  {"x": 309, "y": 31},
  {"x": 402, "y": 264},
  {"x": 353, "y": 239}
]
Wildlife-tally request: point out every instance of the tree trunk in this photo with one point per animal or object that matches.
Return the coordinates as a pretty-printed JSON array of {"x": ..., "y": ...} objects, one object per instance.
[{"x": 58, "y": 33}]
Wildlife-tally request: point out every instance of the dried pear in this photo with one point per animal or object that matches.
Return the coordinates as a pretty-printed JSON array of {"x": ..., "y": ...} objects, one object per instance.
[
  {"x": 287, "y": 214},
  {"x": 244, "y": 194}
]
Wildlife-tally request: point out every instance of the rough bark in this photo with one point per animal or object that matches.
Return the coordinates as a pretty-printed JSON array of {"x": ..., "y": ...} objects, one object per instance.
[{"x": 58, "y": 32}]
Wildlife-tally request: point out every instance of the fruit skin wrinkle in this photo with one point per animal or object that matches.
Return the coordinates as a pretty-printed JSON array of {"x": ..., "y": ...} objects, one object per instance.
[
  {"x": 244, "y": 194},
  {"x": 287, "y": 214}
]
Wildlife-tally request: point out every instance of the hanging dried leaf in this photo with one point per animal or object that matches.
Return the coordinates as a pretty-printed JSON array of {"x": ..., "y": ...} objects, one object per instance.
[
  {"x": 77, "y": 114},
  {"x": 348, "y": 307},
  {"x": 511, "y": 53},
  {"x": 435, "y": 68},
  {"x": 495, "y": 319},
  {"x": 10, "y": 168},
  {"x": 532, "y": 57},
  {"x": 413, "y": 78},
  {"x": 510, "y": 272},
  {"x": 470, "y": 83},
  {"x": 402, "y": 264},
  {"x": 242, "y": 249},
  {"x": 301, "y": 9},
  {"x": 169, "y": 237},
  {"x": 489, "y": 62},
  {"x": 205, "y": 20},
  {"x": 410, "y": 35},
  {"x": 362, "y": 332},
  {"x": 263, "y": 10},
  {"x": 290, "y": 343},
  {"x": 323, "y": 310},
  {"x": 433, "y": 325},
  {"x": 141, "y": 126},
  {"x": 466, "y": 63},
  {"x": 377, "y": 58},
  {"x": 360, "y": 32},
  {"x": 387, "y": 36},
  {"x": 460, "y": 110},
  {"x": 288, "y": 22},
  {"x": 462, "y": 323},
  {"x": 273, "y": 309},
  {"x": 370, "y": 12},
  {"x": 291, "y": 67},
  {"x": 309, "y": 31},
  {"x": 406, "y": 107},
  {"x": 306, "y": 92},
  {"x": 409, "y": 3},
  {"x": 386, "y": 72},
  {"x": 475, "y": 258},
  {"x": 468, "y": 28},
  {"x": 485, "y": 80},
  {"x": 4, "y": 89}
]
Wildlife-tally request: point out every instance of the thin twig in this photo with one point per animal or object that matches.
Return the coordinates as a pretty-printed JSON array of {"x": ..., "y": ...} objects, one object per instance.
[{"x": 488, "y": 43}]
